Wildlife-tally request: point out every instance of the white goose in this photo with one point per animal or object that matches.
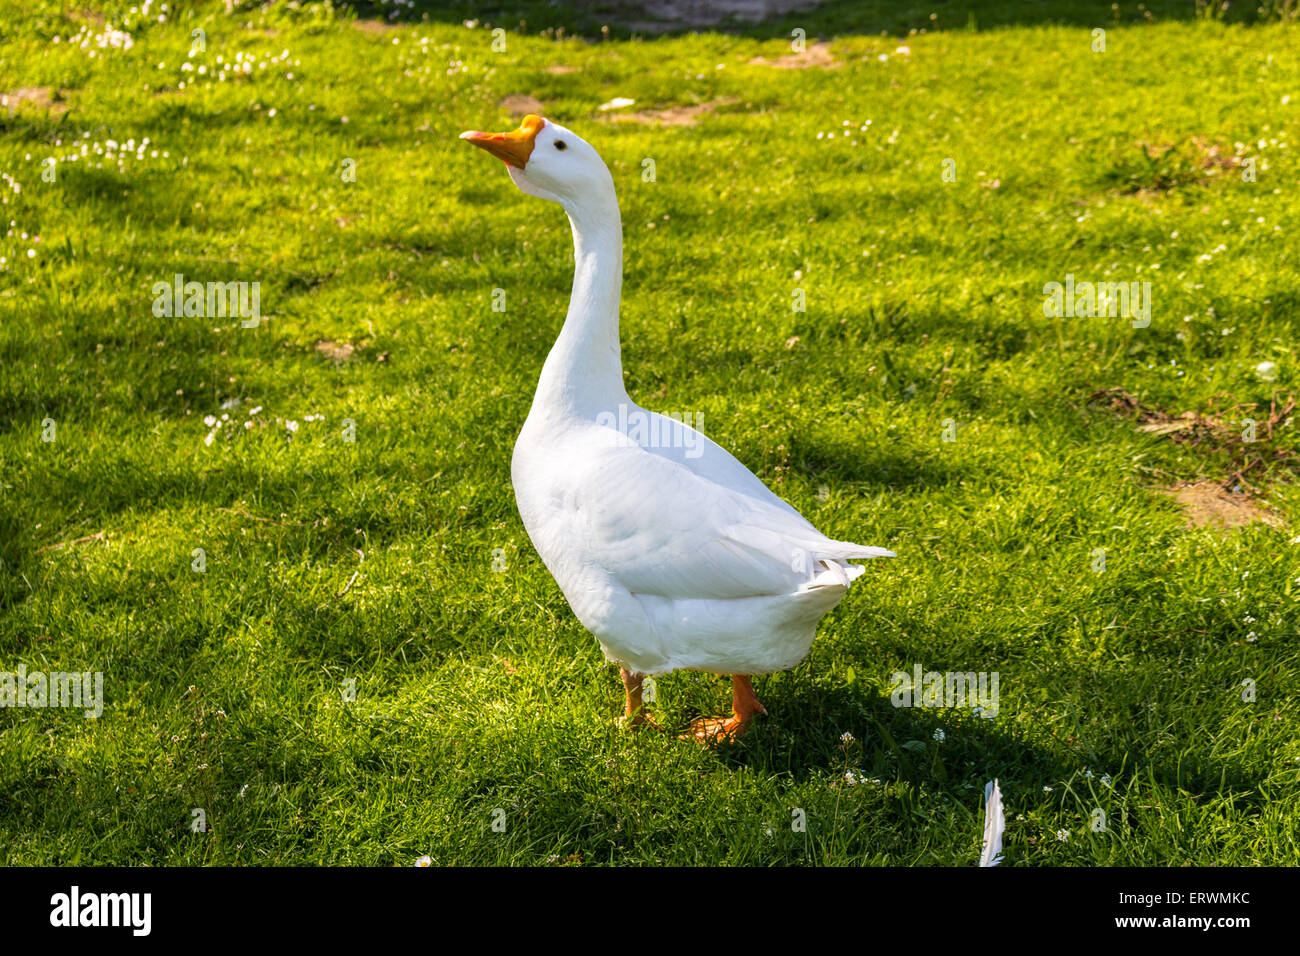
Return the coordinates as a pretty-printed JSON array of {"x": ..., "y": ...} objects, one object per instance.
[{"x": 670, "y": 551}]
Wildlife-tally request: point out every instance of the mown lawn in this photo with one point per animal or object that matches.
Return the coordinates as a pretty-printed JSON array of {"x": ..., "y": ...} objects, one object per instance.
[{"x": 370, "y": 564}]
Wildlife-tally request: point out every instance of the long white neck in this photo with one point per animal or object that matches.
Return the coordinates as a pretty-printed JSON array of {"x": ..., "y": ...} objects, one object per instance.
[{"x": 584, "y": 372}]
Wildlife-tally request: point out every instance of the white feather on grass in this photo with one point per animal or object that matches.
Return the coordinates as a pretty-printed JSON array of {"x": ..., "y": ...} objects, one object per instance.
[{"x": 994, "y": 825}]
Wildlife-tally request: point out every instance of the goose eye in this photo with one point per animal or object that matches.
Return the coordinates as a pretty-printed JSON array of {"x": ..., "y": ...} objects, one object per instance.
[{"x": 559, "y": 144}]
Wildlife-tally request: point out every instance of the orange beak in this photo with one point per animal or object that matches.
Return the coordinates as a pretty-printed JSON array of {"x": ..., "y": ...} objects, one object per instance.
[{"x": 514, "y": 147}]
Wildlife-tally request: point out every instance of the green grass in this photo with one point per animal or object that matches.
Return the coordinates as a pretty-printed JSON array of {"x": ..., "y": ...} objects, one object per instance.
[{"x": 478, "y": 690}]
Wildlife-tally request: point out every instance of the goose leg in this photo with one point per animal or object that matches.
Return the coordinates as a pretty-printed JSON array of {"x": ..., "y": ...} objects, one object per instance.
[
  {"x": 635, "y": 715},
  {"x": 744, "y": 706}
]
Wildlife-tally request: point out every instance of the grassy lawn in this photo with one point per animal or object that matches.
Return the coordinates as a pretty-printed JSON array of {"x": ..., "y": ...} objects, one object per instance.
[{"x": 1149, "y": 662}]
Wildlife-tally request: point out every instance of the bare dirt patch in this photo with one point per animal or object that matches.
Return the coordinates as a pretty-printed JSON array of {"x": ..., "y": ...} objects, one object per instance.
[
  {"x": 41, "y": 97},
  {"x": 338, "y": 352},
  {"x": 373, "y": 26},
  {"x": 817, "y": 55},
  {"x": 1208, "y": 505},
  {"x": 671, "y": 115},
  {"x": 556, "y": 69},
  {"x": 520, "y": 105},
  {"x": 87, "y": 16},
  {"x": 1214, "y": 157},
  {"x": 1231, "y": 502}
]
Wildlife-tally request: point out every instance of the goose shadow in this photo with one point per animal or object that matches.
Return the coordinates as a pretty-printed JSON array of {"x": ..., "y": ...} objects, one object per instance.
[{"x": 928, "y": 749}]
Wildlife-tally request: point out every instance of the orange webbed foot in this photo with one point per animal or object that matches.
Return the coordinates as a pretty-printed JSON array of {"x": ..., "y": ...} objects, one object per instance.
[
  {"x": 714, "y": 730},
  {"x": 745, "y": 706}
]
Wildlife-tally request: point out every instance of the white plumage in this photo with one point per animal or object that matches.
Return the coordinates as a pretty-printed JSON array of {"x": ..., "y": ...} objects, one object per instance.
[
  {"x": 670, "y": 551},
  {"x": 674, "y": 562}
]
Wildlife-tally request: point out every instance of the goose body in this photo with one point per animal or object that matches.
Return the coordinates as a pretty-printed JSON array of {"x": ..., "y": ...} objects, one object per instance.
[
  {"x": 668, "y": 549},
  {"x": 672, "y": 562}
]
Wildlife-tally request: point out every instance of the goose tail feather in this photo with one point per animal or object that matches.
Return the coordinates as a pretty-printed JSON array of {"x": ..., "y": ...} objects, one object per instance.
[{"x": 831, "y": 568}]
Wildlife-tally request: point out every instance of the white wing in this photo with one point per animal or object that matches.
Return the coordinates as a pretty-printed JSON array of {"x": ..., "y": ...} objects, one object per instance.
[{"x": 682, "y": 518}]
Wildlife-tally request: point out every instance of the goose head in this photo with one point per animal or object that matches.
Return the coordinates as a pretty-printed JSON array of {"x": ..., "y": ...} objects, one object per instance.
[{"x": 550, "y": 162}]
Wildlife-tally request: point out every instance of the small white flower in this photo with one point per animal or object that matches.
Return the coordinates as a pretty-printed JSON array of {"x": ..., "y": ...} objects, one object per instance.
[
  {"x": 939, "y": 735},
  {"x": 1063, "y": 835},
  {"x": 291, "y": 425},
  {"x": 846, "y": 738},
  {"x": 424, "y": 861},
  {"x": 209, "y": 420}
]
